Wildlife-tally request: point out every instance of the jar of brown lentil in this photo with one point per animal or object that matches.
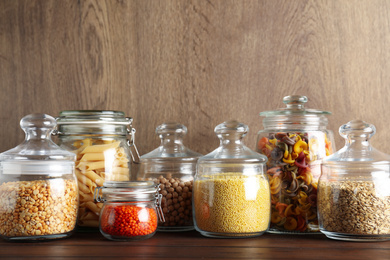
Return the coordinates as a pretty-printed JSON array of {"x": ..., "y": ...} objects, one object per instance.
[
  {"x": 231, "y": 189},
  {"x": 354, "y": 188},
  {"x": 173, "y": 166},
  {"x": 38, "y": 187}
]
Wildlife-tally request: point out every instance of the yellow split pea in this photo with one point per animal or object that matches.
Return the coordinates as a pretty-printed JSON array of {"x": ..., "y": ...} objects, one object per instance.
[{"x": 232, "y": 203}]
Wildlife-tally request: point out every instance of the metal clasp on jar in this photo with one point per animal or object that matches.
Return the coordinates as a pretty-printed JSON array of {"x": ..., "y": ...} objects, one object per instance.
[
  {"x": 158, "y": 197},
  {"x": 131, "y": 142},
  {"x": 96, "y": 194}
]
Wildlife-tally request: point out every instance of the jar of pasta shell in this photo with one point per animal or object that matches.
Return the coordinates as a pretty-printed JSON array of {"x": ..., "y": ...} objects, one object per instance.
[
  {"x": 38, "y": 188},
  {"x": 295, "y": 140},
  {"x": 103, "y": 142},
  {"x": 173, "y": 166},
  {"x": 231, "y": 190}
]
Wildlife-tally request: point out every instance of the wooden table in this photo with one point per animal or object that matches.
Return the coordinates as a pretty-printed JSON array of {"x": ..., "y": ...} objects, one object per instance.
[{"x": 186, "y": 245}]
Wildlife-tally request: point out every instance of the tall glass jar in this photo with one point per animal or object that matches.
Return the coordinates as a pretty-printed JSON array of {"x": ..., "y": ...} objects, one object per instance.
[
  {"x": 173, "y": 166},
  {"x": 38, "y": 188},
  {"x": 130, "y": 211},
  {"x": 354, "y": 188},
  {"x": 102, "y": 142},
  {"x": 295, "y": 140},
  {"x": 231, "y": 189}
]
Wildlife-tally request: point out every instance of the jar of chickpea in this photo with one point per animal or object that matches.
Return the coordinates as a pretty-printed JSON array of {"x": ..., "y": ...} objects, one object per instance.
[
  {"x": 173, "y": 166},
  {"x": 38, "y": 187}
]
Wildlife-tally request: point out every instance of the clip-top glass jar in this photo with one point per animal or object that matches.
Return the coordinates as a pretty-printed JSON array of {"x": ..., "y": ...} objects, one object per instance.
[
  {"x": 102, "y": 141},
  {"x": 354, "y": 188},
  {"x": 173, "y": 166},
  {"x": 295, "y": 140},
  {"x": 38, "y": 188},
  {"x": 231, "y": 189},
  {"x": 130, "y": 211}
]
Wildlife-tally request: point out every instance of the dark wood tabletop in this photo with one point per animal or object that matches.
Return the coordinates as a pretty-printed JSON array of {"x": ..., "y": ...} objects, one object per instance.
[{"x": 186, "y": 245}]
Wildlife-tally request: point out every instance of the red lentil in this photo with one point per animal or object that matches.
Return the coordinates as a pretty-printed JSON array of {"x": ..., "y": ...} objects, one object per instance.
[{"x": 128, "y": 220}]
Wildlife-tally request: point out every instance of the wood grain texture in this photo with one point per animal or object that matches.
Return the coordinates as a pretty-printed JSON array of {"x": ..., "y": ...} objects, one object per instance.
[
  {"x": 192, "y": 245},
  {"x": 196, "y": 62}
]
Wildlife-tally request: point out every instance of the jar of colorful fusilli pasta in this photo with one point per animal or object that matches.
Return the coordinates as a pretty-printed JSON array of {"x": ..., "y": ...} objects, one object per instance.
[
  {"x": 295, "y": 140},
  {"x": 103, "y": 142}
]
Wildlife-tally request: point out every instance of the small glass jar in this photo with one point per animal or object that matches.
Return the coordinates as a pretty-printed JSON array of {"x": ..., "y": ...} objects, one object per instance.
[
  {"x": 38, "y": 188},
  {"x": 231, "y": 189},
  {"x": 130, "y": 210},
  {"x": 103, "y": 142},
  {"x": 173, "y": 166},
  {"x": 354, "y": 188},
  {"x": 295, "y": 140}
]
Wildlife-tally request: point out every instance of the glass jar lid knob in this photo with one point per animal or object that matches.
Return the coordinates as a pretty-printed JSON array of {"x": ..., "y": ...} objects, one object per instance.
[
  {"x": 295, "y": 101},
  {"x": 37, "y": 126},
  {"x": 357, "y": 128}
]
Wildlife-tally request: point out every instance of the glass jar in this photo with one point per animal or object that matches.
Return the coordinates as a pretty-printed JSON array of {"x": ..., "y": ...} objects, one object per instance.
[
  {"x": 38, "y": 188},
  {"x": 100, "y": 141},
  {"x": 354, "y": 188},
  {"x": 231, "y": 190},
  {"x": 173, "y": 166},
  {"x": 130, "y": 210},
  {"x": 295, "y": 140}
]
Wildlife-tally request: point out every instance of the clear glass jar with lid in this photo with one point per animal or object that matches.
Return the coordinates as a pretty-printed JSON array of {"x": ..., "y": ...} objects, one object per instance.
[
  {"x": 131, "y": 209},
  {"x": 295, "y": 140},
  {"x": 354, "y": 188},
  {"x": 231, "y": 189},
  {"x": 38, "y": 187},
  {"x": 173, "y": 166},
  {"x": 103, "y": 142}
]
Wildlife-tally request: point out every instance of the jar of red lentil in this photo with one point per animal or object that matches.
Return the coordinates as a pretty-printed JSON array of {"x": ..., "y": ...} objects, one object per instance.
[
  {"x": 131, "y": 210},
  {"x": 173, "y": 166},
  {"x": 38, "y": 187},
  {"x": 231, "y": 189},
  {"x": 103, "y": 142},
  {"x": 295, "y": 140}
]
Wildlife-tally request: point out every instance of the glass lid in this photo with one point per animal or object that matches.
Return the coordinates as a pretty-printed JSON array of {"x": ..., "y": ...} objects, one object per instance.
[
  {"x": 357, "y": 150},
  {"x": 171, "y": 146},
  {"x": 38, "y": 154},
  {"x": 232, "y": 149},
  {"x": 294, "y": 105}
]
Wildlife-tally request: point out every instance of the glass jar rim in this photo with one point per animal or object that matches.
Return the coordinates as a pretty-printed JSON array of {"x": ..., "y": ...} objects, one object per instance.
[
  {"x": 76, "y": 117},
  {"x": 127, "y": 191}
]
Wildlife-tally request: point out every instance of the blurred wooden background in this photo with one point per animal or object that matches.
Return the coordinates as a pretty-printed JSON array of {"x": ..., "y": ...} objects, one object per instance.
[{"x": 196, "y": 62}]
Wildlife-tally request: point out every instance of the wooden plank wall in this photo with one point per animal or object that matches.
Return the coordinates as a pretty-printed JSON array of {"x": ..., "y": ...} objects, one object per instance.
[{"x": 197, "y": 62}]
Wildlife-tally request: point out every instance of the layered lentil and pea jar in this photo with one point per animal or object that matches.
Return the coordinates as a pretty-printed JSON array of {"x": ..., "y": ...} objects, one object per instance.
[
  {"x": 172, "y": 165},
  {"x": 295, "y": 140},
  {"x": 231, "y": 190},
  {"x": 38, "y": 187}
]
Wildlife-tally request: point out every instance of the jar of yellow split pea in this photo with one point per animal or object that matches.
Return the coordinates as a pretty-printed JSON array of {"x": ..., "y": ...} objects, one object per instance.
[
  {"x": 103, "y": 142},
  {"x": 38, "y": 188},
  {"x": 295, "y": 140},
  {"x": 231, "y": 191}
]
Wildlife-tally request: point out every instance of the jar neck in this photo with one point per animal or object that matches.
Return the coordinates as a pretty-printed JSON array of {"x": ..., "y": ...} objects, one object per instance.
[
  {"x": 295, "y": 122},
  {"x": 358, "y": 143},
  {"x": 172, "y": 143}
]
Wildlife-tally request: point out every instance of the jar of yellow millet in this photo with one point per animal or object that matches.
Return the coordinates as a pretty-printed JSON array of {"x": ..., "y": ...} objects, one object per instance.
[{"x": 231, "y": 190}]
